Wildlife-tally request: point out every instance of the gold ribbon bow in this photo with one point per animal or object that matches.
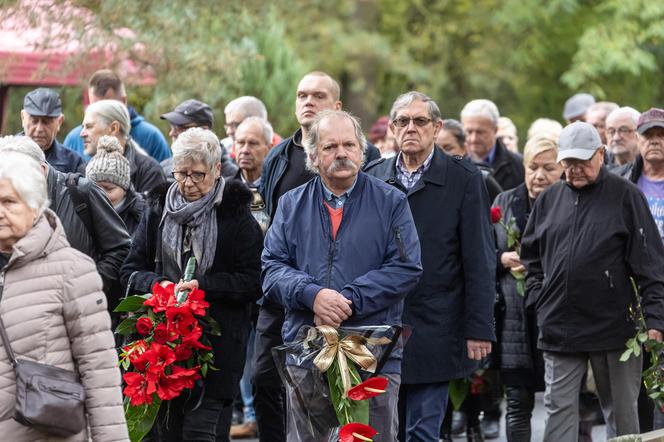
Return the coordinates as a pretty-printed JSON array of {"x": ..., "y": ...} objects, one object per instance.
[{"x": 352, "y": 347}]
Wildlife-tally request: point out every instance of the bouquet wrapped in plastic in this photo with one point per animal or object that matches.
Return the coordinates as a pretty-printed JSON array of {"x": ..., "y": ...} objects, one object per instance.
[{"x": 329, "y": 376}]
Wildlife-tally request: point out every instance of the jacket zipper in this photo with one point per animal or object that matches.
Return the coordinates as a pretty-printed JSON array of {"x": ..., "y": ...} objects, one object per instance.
[
  {"x": 402, "y": 248},
  {"x": 571, "y": 248}
]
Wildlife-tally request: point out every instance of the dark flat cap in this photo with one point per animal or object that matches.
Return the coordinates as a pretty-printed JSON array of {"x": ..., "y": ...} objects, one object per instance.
[
  {"x": 42, "y": 102},
  {"x": 653, "y": 117}
]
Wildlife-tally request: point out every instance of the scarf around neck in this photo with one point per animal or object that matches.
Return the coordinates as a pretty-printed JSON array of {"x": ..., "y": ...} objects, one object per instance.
[{"x": 200, "y": 218}]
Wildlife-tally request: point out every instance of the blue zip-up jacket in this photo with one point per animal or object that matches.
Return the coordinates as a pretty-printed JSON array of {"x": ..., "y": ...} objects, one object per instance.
[
  {"x": 374, "y": 260},
  {"x": 148, "y": 136}
]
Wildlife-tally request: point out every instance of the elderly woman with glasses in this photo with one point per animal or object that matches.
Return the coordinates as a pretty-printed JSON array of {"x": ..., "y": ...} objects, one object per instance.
[
  {"x": 204, "y": 216},
  {"x": 53, "y": 307}
]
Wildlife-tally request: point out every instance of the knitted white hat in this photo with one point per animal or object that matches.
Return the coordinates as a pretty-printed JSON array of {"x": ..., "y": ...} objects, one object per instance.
[{"x": 109, "y": 164}]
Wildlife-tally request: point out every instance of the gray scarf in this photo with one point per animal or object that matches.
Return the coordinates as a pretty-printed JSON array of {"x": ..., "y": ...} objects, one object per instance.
[{"x": 200, "y": 218}]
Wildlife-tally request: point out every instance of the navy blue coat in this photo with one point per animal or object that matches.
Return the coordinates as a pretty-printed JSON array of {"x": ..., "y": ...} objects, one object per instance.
[
  {"x": 374, "y": 260},
  {"x": 63, "y": 159},
  {"x": 454, "y": 299}
]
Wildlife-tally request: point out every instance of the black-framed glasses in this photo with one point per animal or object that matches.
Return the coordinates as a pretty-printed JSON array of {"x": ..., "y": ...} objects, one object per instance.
[
  {"x": 405, "y": 121},
  {"x": 196, "y": 177}
]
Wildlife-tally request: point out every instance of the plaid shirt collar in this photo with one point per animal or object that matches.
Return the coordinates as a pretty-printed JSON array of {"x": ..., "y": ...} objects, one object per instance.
[{"x": 409, "y": 179}]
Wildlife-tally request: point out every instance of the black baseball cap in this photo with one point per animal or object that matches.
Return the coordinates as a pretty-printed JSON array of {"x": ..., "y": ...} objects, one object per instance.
[
  {"x": 190, "y": 111},
  {"x": 42, "y": 102}
]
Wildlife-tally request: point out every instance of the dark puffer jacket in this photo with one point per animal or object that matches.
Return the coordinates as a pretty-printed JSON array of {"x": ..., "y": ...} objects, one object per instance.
[
  {"x": 231, "y": 286},
  {"x": 521, "y": 363}
]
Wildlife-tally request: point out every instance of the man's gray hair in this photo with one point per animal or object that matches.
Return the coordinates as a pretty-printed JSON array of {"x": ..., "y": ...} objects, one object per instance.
[
  {"x": 266, "y": 128},
  {"x": 197, "y": 145},
  {"x": 404, "y": 100},
  {"x": 108, "y": 111},
  {"x": 604, "y": 106},
  {"x": 24, "y": 145},
  {"x": 247, "y": 106},
  {"x": 481, "y": 108},
  {"x": 310, "y": 143},
  {"x": 626, "y": 111},
  {"x": 27, "y": 177}
]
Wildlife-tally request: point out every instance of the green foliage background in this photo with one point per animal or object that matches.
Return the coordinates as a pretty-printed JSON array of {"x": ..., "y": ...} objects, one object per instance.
[{"x": 526, "y": 55}]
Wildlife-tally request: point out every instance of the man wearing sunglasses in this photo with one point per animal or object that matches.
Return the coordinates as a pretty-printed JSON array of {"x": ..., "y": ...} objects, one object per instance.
[
  {"x": 451, "y": 309},
  {"x": 587, "y": 237}
]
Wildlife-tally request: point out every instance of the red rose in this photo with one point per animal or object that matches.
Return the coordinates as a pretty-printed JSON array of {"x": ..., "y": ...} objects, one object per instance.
[
  {"x": 161, "y": 334},
  {"x": 350, "y": 432},
  {"x": 496, "y": 214},
  {"x": 182, "y": 352},
  {"x": 144, "y": 326},
  {"x": 368, "y": 389}
]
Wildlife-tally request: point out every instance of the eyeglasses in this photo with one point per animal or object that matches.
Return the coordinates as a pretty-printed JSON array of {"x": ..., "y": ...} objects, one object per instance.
[
  {"x": 622, "y": 131},
  {"x": 405, "y": 121},
  {"x": 196, "y": 177}
]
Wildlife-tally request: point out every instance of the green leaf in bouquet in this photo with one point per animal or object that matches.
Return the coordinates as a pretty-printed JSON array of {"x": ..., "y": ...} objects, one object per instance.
[
  {"x": 347, "y": 410},
  {"x": 141, "y": 419},
  {"x": 131, "y": 303},
  {"x": 626, "y": 355},
  {"x": 126, "y": 327},
  {"x": 204, "y": 369},
  {"x": 458, "y": 390},
  {"x": 214, "y": 328}
]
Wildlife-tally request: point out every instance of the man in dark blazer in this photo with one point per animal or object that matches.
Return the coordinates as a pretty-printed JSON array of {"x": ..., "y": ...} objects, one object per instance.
[
  {"x": 480, "y": 122},
  {"x": 451, "y": 310}
]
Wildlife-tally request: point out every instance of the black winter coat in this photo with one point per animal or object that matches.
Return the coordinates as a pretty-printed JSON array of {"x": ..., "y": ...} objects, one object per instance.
[
  {"x": 108, "y": 243},
  {"x": 521, "y": 363},
  {"x": 145, "y": 172},
  {"x": 581, "y": 246},
  {"x": 454, "y": 298},
  {"x": 131, "y": 210},
  {"x": 507, "y": 167},
  {"x": 64, "y": 160},
  {"x": 231, "y": 286}
]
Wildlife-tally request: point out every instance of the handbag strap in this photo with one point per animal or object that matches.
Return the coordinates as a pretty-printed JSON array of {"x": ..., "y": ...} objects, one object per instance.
[{"x": 3, "y": 334}]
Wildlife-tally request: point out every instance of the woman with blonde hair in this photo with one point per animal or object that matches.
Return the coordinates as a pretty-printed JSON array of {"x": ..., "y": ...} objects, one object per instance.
[{"x": 521, "y": 363}]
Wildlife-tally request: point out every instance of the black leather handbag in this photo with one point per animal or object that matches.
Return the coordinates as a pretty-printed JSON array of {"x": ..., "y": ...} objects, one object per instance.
[{"x": 48, "y": 398}]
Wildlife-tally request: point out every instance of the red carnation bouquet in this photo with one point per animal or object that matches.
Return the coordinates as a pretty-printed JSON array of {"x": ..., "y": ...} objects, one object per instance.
[{"x": 171, "y": 354}]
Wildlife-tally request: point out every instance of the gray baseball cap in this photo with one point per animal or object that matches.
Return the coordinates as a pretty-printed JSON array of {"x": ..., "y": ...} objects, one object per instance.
[
  {"x": 577, "y": 105},
  {"x": 42, "y": 102},
  {"x": 578, "y": 140}
]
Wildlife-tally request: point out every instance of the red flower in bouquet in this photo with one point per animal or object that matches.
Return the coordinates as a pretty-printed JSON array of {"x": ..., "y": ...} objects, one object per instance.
[
  {"x": 135, "y": 352},
  {"x": 159, "y": 357},
  {"x": 180, "y": 320},
  {"x": 139, "y": 387},
  {"x": 496, "y": 214},
  {"x": 477, "y": 384},
  {"x": 170, "y": 386},
  {"x": 368, "y": 389},
  {"x": 162, "y": 297},
  {"x": 196, "y": 302},
  {"x": 356, "y": 432},
  {"x": 183, "y": 352},
  {"x": 144, "y": 326},
  {"x": 193, "y": 339},
  {"x": 163, "y": 335}
]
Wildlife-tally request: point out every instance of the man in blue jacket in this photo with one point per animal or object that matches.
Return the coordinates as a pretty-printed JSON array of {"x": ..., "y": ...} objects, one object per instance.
[
  {"x": 343, "y": 250},
  {"x": 451, "y": 310},
  {"x": 107, "y": 85}
]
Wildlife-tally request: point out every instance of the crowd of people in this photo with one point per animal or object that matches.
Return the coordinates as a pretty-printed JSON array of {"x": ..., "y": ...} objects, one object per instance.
[{"x": 511, "y": 271}]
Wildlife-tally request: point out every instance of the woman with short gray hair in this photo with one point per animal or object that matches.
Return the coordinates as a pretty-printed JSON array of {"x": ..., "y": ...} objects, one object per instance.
[
  {"x": 202, "y": 215},
  {"x": 53, "y": 308}
]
